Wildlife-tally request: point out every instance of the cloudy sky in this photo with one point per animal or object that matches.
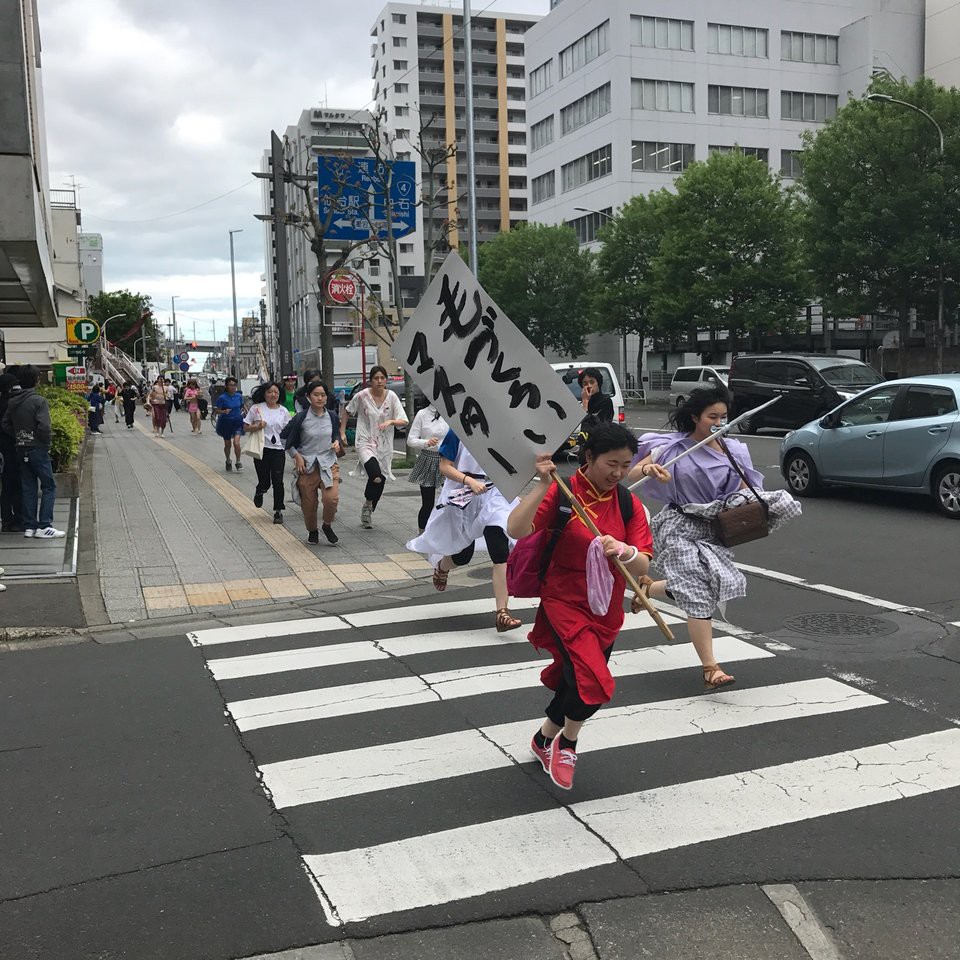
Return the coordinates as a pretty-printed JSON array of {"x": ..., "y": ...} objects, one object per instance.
[{"x": 160, "y": 111}]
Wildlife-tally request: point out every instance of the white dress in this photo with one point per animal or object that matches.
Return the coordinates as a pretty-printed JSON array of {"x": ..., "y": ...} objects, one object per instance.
[
  {"x": 452, "y": 528},
  {"x": 371, "y": 441}
]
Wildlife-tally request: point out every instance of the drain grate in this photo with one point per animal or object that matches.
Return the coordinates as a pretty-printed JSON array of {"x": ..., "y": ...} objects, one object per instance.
[{"x": 840, "y": 625}]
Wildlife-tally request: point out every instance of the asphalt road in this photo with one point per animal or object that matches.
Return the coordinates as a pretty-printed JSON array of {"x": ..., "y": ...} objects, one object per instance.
[{"x": 391, "y": 741}]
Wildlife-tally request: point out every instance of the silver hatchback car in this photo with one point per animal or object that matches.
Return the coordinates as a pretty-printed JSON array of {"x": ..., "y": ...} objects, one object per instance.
[{"x": 900, "y": 435}]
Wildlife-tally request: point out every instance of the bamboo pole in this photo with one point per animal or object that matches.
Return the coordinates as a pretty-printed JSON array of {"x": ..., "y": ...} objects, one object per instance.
[{"x": 621, "y": 566}]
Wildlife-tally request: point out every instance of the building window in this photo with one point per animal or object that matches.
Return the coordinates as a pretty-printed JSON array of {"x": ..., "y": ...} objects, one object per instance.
[
  {"x": 403, "y": 155},
  {"x": 399, "y": 64},
  {"x": 587, "y": 48},
  {"x": 400, "y": 18},
  {"x": 401, "y": 111},
  {"x": 406, "y": 271},
  {"x": 586, "y": 227},
  {"x": 790, "y": 163},
  {"x": 406, "y": 248},
  {"x": 759, "y": 153},
  {"x": 737, "y": 101},
  {"x": 661, "y": 33},
  {"x": 737, "y": 41},
  {"x": 593, "y": 166},
  {"x": 543, "y": 187},
  {"x": 666, "y": 95},
  {"x": 811, "y": 107},
  {"x": 401, "y": 87},
  {"x": 808, "y": 47},
  {"x": 402, "y": 134},
  {"x": 399, "y": 41},
  {"x": 541, "y": 134},
  {"x": 653, "y": 157},
  {"x": 540, "y": 78},
  {"x": 581, "y": 112}
]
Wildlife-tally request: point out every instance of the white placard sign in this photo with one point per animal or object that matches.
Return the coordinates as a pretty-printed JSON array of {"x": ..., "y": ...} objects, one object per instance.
[{"x": 492, "y": 386}]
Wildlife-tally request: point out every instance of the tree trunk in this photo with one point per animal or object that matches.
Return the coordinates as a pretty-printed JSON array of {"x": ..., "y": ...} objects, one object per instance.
[{"x": 904, "y": 336}]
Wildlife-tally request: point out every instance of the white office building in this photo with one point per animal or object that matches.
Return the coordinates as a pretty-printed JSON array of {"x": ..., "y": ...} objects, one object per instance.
[{"x": 624, "y": 94}]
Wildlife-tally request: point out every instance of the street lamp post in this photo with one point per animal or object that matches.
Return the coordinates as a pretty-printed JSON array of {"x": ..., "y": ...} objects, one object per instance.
[
  {"x": 885, "y": 98},
  {"x": 173, "y": 319},
  {"x": 233, "y": 286},
  {"x": 623, "y": 327}
]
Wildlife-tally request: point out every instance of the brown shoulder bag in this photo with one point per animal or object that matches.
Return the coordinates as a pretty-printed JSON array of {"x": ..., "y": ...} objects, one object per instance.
[{"x": 741, "y": 524}]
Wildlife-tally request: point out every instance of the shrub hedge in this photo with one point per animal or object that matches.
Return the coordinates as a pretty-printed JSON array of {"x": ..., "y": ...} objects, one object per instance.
[{"x": 68, "y": 420}]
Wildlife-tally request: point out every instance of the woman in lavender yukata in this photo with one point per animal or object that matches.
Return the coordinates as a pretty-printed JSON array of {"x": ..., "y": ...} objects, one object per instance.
[{"x": 699, "y": 572}]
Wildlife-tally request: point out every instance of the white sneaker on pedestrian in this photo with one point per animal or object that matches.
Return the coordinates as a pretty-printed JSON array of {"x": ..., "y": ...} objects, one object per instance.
[
  {"x": 49, "y": 533},
  {"x": 28, "y": 532}
]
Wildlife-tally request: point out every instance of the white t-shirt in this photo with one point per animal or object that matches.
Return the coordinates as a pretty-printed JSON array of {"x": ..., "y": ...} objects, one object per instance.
[{"x": 275, "y": 421}]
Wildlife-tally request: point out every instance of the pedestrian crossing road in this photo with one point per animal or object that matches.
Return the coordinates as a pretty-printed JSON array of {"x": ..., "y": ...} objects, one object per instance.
[{"x": 395, "y": 745}]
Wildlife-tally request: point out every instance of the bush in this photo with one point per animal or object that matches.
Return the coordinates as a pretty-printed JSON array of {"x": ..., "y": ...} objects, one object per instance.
[{"x": 67, "y": 435}]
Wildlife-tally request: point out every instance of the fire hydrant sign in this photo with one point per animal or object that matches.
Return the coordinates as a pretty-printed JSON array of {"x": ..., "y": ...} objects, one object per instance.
[{"x": 494, "y": 389}]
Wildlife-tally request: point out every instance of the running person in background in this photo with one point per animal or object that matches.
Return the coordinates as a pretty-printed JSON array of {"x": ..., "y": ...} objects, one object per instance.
[
  {"x": 129, "y": 396},
  {"x": 290, "y": 390},
  {"x": 378, "y": 411},
  {"x": 580, "y": 640},
  {"x": 469, "y": 508},
  {"x": 230, "y": 420},
  {"x": 214, "y": 391},
  {"x": 268, "y": 414},
  {"x": 424, "y": 437},
  {"x": 191, "y": 400}
]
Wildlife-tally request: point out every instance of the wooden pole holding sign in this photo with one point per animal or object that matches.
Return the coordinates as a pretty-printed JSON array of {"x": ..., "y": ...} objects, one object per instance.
[{"x": 620, "y": 565}]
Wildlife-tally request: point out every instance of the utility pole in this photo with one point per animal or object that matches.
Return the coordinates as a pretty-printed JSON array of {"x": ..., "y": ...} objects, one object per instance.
[
  {"x": 233, "y": 284},
  {"x": 471, "y": 179},
  {"x": 173, "y": 315}
]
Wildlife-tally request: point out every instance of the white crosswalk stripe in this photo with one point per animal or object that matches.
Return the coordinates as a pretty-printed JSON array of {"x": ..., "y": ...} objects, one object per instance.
[{"x": 432, "y": 703}]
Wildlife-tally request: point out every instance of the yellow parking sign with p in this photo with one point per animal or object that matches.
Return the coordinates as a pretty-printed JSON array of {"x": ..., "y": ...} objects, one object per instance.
[{"x": 82, "y": 330}]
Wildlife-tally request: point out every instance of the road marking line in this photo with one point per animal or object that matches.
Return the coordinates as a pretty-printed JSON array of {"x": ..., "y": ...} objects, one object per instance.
[
  {"x": 346, "y": 773},
  {"x": 431, "y": 611},
  {"x": 355, "y": 698},
  {"x": 802, "y": 920},
  {"x": 826, "y": 588},
  {"x": 462, "y": 862},
  {"x": 258, "y": 631}
]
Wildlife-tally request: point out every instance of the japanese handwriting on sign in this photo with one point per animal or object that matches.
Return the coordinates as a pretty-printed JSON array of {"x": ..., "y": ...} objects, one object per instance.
[{"x": 489, "y": 383}]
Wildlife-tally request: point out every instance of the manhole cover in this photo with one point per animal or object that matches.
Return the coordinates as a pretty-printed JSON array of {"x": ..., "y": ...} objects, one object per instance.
[{"x": 841, "y": 625}]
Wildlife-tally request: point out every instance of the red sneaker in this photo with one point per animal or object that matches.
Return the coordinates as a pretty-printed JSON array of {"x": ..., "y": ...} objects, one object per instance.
[
  {"x": 563, "y": 762},
  {"x": 542, "y": 754}
]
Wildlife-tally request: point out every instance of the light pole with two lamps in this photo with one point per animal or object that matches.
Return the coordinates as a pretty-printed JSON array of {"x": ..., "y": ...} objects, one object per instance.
[
  {"x": 233, "y": 286},
  {"x": 886, "y": 98}
]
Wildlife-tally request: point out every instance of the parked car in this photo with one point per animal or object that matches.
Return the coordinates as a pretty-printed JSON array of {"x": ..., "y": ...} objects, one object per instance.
[
  {"x": 902, "y": 435},
  {"x": 809, "y": 386},
  {"x": 569, "y": 372},
  {"x": 395, "y": 384},
  {"x": 686, "y": 379}
]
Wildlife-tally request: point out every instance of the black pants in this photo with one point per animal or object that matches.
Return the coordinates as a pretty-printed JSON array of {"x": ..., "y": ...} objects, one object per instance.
[
  {"x": 566, "y": 700},
  {"x": 498, "y": 546},
  {"x": 129, "y": 412},
  {"x": 428, "y": 496},
  {"x": 373, "y": 491},
  {"x": 270, "y": 471},
  {"x": 10, "y": 487}
]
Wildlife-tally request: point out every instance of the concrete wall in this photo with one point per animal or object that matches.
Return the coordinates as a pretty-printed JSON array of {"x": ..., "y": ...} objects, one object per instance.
[{"x": 942, "y": 42}]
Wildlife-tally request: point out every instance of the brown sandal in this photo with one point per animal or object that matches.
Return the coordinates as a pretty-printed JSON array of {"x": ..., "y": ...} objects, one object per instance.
[
  {"x": 440, "y": 578},
  {"x": 715, "y": 676},
  {"x": 506, "y": 621}
]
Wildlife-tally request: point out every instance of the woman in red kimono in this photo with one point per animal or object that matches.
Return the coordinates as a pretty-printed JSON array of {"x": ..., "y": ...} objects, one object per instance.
[{"x": 579, "y": 640}]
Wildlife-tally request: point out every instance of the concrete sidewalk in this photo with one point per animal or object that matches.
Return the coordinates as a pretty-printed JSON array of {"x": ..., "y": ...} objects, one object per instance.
[{"x": 177, "y": 535}]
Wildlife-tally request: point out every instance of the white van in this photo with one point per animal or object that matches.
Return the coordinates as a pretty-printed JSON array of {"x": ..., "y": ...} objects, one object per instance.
[
  {"x": 569, "y": 372},
  {"x": 686, "y": 379}
]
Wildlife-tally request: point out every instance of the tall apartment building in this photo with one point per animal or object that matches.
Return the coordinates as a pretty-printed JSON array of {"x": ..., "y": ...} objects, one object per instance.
[
  {"x": 418, "y": 74},
  {"x": 941, "y": 49},
  {"x": 91, "y": 262},
  {"x": 625, "y": 94}
]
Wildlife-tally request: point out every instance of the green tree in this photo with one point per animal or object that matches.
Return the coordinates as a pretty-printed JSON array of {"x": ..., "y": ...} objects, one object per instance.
[
  {"x": 730, "y": 255},
  {"x": 544, "y": 281},
  {"x": 882, "y": 205},
  {"x": 631, "y": 241},
  {"x": 125, "y": 330}
]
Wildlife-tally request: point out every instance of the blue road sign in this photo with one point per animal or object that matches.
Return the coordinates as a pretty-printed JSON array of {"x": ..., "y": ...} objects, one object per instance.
[
  {"x": 352, "y": 196},
  {"x": 184, "y": 366}
]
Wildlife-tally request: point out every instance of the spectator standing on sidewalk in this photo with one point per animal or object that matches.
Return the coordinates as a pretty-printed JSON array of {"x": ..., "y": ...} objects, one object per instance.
[
  {"x": 27, "y": 420},
  {"x": 311, "y": 439},
  {"x": 230, "y": 421},
  {"x": 191, "y": 399},
  {"x": 269, "y": 415},
  {"x": 170, "y": 392},
  {"x": 95, "y": 401},
  {"x": 378, "y": 410},
  {"x": 129, "y": 396},
  {"x": 424, "y": 438},
  {"x": 10, "y": 495},
  {"x": 157, "y": 402}
]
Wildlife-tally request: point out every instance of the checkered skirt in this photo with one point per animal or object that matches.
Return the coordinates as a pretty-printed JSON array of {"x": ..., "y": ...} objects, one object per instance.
[{"x": 699, "y": 570}]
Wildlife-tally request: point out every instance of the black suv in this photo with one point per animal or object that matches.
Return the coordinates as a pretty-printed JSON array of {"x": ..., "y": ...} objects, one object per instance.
[{"x": 809, "y": 385}]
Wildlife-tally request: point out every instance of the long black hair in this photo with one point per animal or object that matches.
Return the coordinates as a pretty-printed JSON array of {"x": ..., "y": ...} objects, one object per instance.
[
  {"x": 605, "y": 437},
  {"x": 259, "y": 393},
  {"x": 682, "y": 419}
]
